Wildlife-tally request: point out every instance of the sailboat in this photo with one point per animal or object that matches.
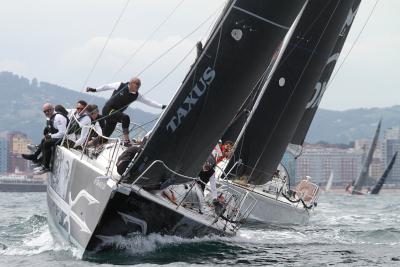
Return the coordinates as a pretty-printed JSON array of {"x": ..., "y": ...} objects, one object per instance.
[
  {"x": 329, "y": 183},
  {"x": 278, "y": 115},
  {"x": 356, "y": 189},
  {"x": 378, "y": 185},
  {"x": 89, "y": 202}
]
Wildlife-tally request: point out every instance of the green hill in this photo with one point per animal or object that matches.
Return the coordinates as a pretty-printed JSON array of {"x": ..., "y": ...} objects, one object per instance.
[
  {"x": 21, "y": 101},
  {"x": 346, "y": 126}
]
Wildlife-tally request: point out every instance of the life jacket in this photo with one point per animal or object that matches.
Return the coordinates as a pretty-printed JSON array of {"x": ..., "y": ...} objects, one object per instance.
[
  {"x": 74, "y": 126},
  {"x": 218, "y": 153},
  {"x": 50, "y": 123},
  {"x": 121, "y": 98}
]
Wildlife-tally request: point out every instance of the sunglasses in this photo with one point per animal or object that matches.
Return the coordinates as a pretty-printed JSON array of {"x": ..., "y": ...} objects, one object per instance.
[{"x": 47, "y": 110}]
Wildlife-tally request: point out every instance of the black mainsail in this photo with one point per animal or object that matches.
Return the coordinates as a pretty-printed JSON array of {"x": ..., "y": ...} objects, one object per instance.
[
  {"x": 321, "y": 85},
  {"x": 378, "y": 186},
  {"x": 280, "y": 108},
  {"x": 365, "y": 169},
  {"x": 233, "y": 60}
]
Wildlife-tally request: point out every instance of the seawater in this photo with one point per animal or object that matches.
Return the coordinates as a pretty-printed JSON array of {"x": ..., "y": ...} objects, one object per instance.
[{"x": 343, "y": 231}]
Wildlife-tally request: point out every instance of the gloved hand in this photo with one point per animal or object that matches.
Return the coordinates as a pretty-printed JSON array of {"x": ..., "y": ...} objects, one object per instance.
[
  {"x": 90, "y": 89},
  {"x": 163, "y": 106}
]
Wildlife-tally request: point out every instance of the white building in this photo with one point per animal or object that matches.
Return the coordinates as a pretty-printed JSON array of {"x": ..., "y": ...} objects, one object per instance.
[{"x": 319, "y": 161}]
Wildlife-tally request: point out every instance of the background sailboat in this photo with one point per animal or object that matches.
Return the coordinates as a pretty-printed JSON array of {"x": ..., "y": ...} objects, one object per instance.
[
  {"x": 365, "y": 169},
  {"x": 378, "y": 186},
  {"x": 329, "y": 183}
]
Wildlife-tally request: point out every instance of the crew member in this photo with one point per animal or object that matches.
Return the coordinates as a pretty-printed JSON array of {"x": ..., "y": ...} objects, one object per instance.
[
  {"x": 78, "y": 128},
  {"x": 219, "y": 153},
  {"x": 113, "y": 111},
  {"x": 53, "y": 134}
]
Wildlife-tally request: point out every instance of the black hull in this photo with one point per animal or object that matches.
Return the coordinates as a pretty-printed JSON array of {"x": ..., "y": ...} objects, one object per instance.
[
  {"x": 134, "y": 214},
  {"x": 13, "y": 187}
]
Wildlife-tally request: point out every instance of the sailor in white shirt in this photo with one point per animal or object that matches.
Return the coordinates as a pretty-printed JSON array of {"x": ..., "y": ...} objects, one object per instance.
[
  {"x": 53, "y": 134},
  {"x": 80, "y": 122},
  {"x": 124, "y": 94}
]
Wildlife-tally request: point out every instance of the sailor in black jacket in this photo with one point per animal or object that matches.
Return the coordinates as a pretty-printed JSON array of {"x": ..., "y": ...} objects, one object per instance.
[{"x": 124, "y": 94}]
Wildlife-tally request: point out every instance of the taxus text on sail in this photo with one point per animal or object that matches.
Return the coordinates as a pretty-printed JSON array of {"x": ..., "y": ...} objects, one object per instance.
[{"x": 191, "y": 100}]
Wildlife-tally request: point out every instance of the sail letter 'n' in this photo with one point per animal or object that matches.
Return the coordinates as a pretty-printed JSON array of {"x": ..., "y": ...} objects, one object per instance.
[{"x": 234, "y": 58}]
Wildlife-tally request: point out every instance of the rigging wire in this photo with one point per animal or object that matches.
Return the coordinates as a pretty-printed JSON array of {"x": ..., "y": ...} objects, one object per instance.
[
  {"x": 177, "y": 43},
  {"x": 166, "y": 52},
  {"x": 170, "y": 72},
  {"x": 105, "y": 44},
  {"x": 354, "y": 43},
  {"x": 177, "y": 65},
  {"x": 148, "y": 39}
]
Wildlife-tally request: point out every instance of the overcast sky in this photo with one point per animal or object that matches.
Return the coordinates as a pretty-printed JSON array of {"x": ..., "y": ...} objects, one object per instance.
[{"x": 59, "y": 42}]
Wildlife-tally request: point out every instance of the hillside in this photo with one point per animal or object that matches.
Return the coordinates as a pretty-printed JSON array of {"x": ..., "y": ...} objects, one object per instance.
[
  {"x": 345, "y": 126},
  {"x": 21, "y": 104},
  {"x": 21, "y": 101}
]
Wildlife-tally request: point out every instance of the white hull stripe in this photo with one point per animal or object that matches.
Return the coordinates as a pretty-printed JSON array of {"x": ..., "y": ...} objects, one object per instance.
[
  {"x": 261, "y": 18},
  {"x": 66, "y": 208}
]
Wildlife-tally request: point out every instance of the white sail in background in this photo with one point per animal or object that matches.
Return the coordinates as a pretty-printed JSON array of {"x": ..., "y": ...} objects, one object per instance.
[{"x": 329, "y": 183}]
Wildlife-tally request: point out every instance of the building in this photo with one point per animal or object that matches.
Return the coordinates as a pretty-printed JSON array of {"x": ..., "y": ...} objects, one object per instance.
[
  {"x": 17, "y": 145},
  {"x": 3, "y": 154},
  {"x": 318, "y": 161},
  {"x": 391, "y": 145}
]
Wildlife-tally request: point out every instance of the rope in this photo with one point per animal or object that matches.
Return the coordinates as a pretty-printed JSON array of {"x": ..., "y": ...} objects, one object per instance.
[
  {"x": 354, "y": 43},
  {"x": 105, "y": 45},
  {"x": 148, "y": 39},
  {"x": 297, "y": 201}
]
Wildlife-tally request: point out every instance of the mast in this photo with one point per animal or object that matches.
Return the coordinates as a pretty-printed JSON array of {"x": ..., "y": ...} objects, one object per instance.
[
  {"x": 365, "y": 169},
  {"x": 378, "y": 186},
  {"x": 321, "y": 85},
  {"x": 234, "y": 58},
  {"x": 282, "y": 105}
]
